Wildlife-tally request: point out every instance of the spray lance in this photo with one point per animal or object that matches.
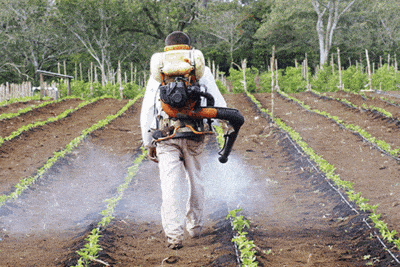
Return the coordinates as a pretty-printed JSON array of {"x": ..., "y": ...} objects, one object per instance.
[{"x": 181, "y": 100}]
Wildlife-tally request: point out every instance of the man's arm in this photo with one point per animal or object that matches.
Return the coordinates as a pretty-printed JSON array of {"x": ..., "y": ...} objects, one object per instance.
[
  {"x": 148, "y": 112},
  {"x": 212, "y": 88}
]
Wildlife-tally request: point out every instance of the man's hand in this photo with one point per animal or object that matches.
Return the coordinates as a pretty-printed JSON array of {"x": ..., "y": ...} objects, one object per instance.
[{"x": 152, "y": 154}]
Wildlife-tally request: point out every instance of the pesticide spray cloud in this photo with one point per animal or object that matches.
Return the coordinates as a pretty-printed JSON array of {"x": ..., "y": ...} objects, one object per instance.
[{"x": 70, "y": 196}]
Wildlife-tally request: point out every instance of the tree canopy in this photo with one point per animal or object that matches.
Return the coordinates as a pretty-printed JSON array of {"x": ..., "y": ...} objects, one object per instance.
[{"x": 38, "y": 34}]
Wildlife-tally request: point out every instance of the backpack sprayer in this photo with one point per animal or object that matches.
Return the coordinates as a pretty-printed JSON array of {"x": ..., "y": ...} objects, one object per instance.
[
  {"x": 181, "y": 100},
  {"x": 181, "y": 96}
]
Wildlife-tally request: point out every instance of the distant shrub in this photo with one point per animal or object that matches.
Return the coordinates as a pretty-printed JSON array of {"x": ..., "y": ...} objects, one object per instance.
[
  {"x": 384, "y": 80},
  {"x": 236, "y": 78},
  {"x": 292, "y": 81},
  {"x": 265, "y": 82},
  {"x": 82, "y": 89},
  {"x": 353, "y": 79},
  {"x": 325, "y": 81},
  {"x": 221, "y": 87}
]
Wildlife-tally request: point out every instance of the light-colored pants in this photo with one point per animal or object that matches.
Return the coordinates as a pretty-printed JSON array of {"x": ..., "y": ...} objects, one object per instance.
[{"x": 179, "y": 164}]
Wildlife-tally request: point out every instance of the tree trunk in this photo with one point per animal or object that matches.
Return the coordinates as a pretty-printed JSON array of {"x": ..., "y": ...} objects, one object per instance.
[{"x": 328, "y": 14}]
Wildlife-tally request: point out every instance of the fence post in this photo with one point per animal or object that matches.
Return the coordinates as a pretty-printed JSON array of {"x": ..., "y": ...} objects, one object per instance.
[
  {"x": 272, "y": 81},
  {"x": 369, "y": 70},
  {"x": 244, "y": 66},
  {"x": 41, "y": 85},
  {"x": 91, "y": 79},
  {"x": 340, "y": 70}
]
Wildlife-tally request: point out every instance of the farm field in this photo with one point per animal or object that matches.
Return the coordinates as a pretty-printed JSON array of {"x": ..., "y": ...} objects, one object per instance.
[{"x": 297, "y": 218}]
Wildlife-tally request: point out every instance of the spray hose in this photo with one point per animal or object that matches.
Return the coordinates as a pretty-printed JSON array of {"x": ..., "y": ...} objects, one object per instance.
[{"x": 233, "y": 116}]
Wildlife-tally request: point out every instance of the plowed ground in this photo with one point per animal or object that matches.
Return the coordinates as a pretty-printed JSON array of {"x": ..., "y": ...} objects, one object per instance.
[{"x": 297, "y": 217}]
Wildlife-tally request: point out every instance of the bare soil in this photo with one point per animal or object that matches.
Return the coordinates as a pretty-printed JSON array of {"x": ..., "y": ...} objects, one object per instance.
[
  {"x": 297, "y": 218},
  {"x": 20, "y": 105}
]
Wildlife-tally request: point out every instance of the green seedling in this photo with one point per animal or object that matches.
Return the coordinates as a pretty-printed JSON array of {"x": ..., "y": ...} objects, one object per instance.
[
  {"x": 245, "y": 246},
  {"x": 328, "y": 169}
]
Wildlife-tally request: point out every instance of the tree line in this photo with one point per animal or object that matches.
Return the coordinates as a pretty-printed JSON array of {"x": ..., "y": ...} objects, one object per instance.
[{"x": 39, "y": 34}]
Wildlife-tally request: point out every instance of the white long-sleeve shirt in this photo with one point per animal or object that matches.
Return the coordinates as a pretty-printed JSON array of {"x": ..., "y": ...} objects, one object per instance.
[{"x": 151, "y": 105}]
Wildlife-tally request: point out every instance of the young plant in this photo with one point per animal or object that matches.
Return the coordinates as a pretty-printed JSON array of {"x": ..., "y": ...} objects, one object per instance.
[
  {"x": 26, "y": 182},
  {"x": 323, "y": 165},
  {"x": 90, "y": 250},
  {"x": 245, "y": 246}
]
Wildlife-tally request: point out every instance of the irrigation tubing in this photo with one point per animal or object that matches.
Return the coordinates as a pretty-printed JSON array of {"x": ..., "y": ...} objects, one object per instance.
[
  {"x": 343, "y": 198},
  {"x": 233, "y": 236},
  {"x": 340, "y": 193},
  {"x": 234, "y": 243},
  {"x": 385, "y": 93},
  {"x": 344, "y": 127}
]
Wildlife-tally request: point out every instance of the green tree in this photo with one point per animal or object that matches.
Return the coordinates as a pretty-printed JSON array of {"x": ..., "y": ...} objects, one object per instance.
[
  {"x": 329, "y": 13},
  {"x": 290, "y": 28},
  {"x": 224, "y": 20},
  {"x": 94, "y": 24},
  {"x": 30, "y": 37}
]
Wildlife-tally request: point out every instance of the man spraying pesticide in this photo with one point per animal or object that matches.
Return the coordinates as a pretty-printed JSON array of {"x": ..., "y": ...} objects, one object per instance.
[{"x": 180, "y": 103}]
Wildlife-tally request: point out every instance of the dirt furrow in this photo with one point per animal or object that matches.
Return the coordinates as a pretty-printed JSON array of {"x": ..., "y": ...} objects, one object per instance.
[
  {"x": 375, "y": 101},
  {"x": 296, "y": 218},
  {"x": 7, "y": 126},
  {"x": 372, "y": 173},
  {"x": 391, "y": 96},
  {"x": 23, "y": 155},
  {"x": 378, "y": 126},
  {"x": 49, "y": 222},
  {"x": 13, "y": 108}
]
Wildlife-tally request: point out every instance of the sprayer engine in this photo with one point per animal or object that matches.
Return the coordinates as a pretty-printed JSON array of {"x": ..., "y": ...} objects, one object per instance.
[
  {"x": 179, "y": 100},
  {"x": 174, "y": 93}
]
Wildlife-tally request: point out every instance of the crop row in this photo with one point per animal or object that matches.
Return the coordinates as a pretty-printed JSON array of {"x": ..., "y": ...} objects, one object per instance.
[
  {"x": 329, "y": 171},
  {"x": 26, "y": 182},
  {"x": 90, "y": 250},
  {"x": 27, "y": 109},
  {"x": 381, "y": 144},
  {"x": 49, "y": 120},
  {"x": 242, "y": 244},
  {"x": 23, "y": 99}
]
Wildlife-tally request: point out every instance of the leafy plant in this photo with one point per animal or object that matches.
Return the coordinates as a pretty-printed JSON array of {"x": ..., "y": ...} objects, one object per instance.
[
  {"x": 23, "y": 99},
  {"x": 90, "y": 250},
  {"x": 245, "y": 246},
  {"x": 26, "y": 182},
  {"x": 324, "y": 166},
  {"x": 292, "y": 81}
]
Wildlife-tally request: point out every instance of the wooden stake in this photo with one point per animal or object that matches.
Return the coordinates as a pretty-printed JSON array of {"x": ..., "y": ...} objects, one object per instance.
[
  {"x": 272, "y": 81},
  {"x": 135, "y": 73},
  {"x": 341, "y": 87},
  {"x": 244, "y": 66},
  {"x": 91, "y": 79},
  {"x": 369, "y": 70},
  {"x": 306, "y": 72},
  {"x": 131, "y": 72},
  {"x": 213, "y": 69},
  {"x": 276, "y": 75},
  {"x": 76, "y": 71},
  {"x": 65, "y": 72},
  {"x": 41, "y": 85}
]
